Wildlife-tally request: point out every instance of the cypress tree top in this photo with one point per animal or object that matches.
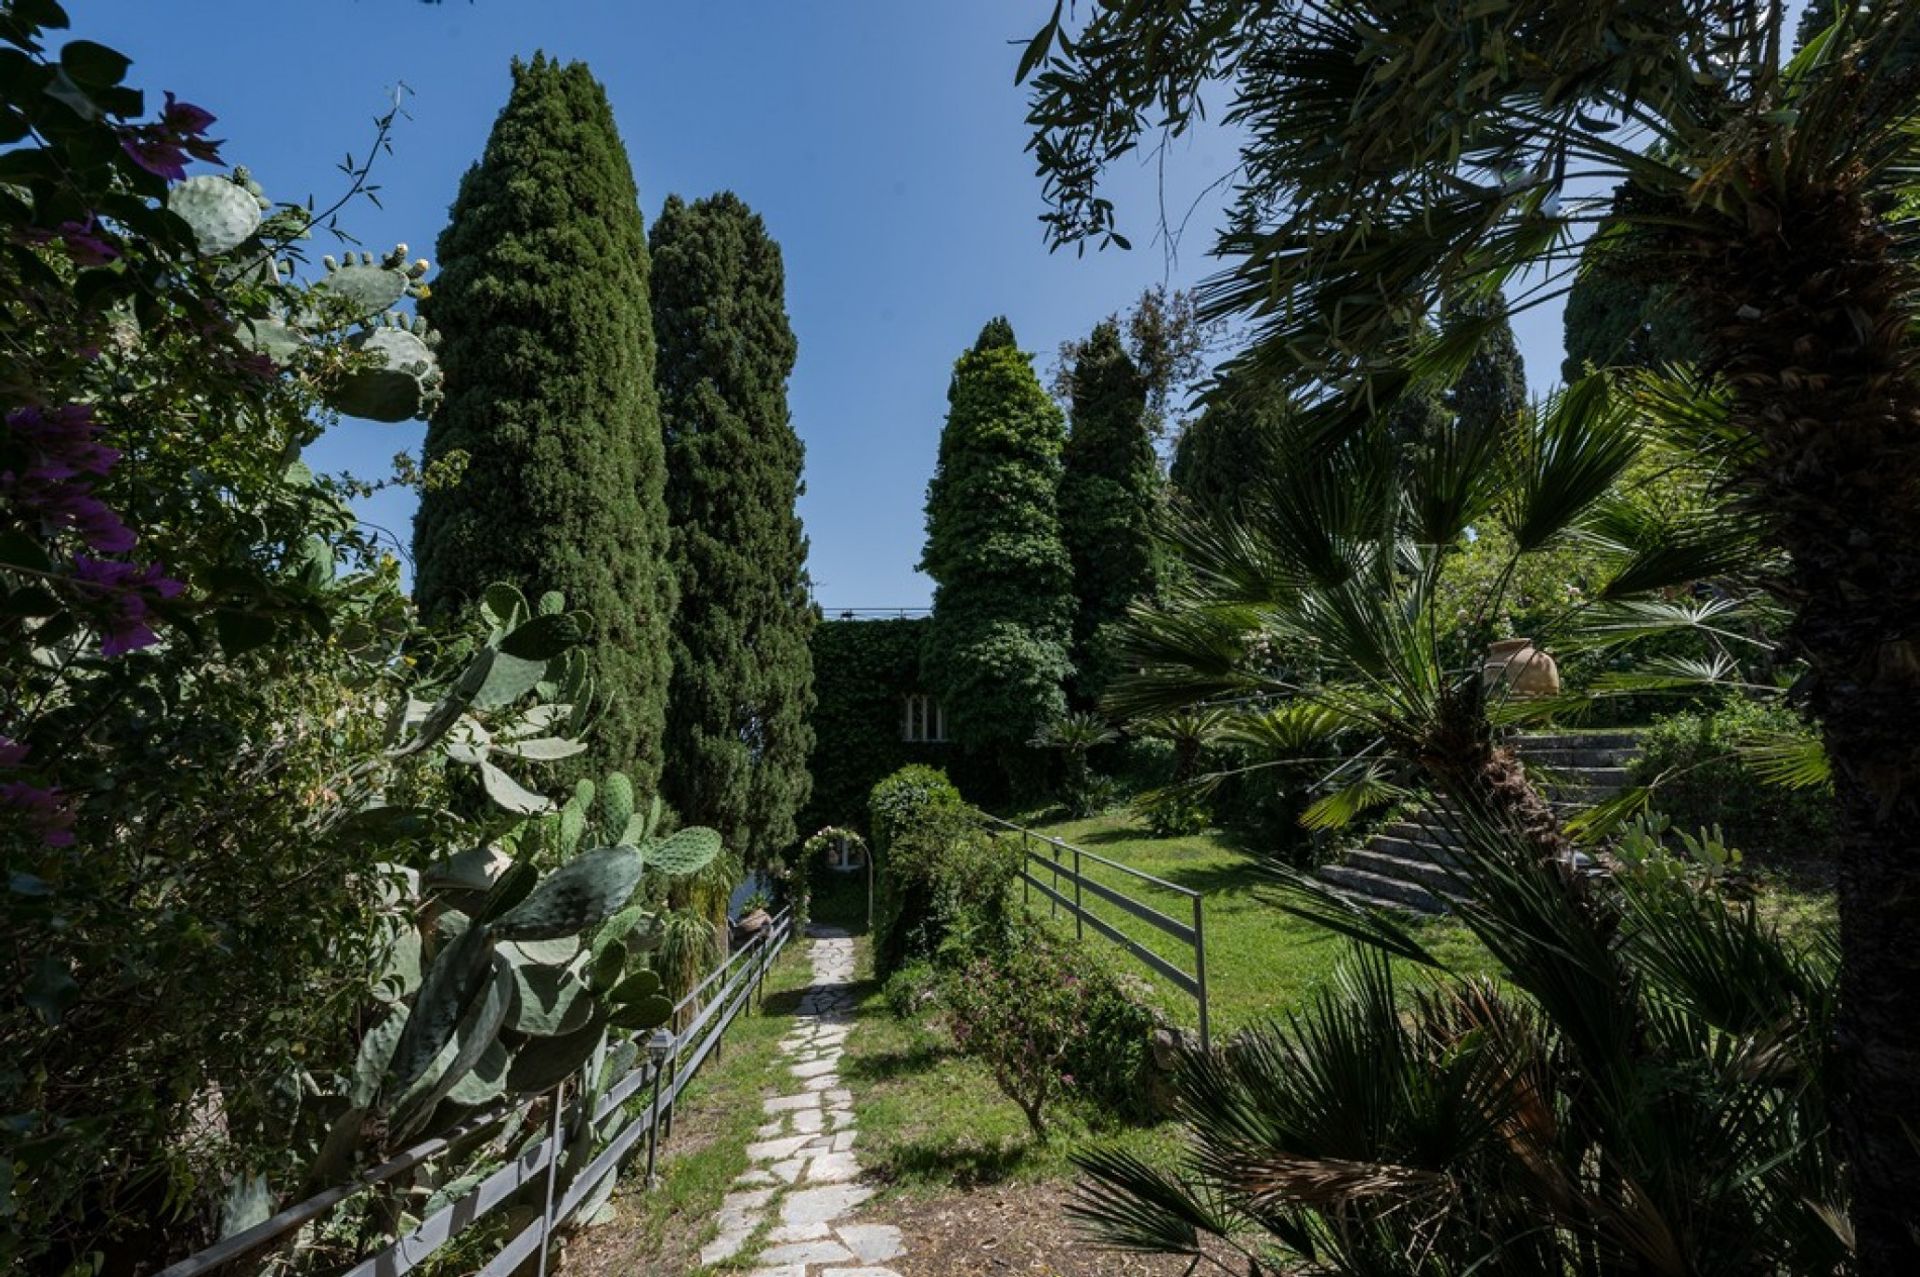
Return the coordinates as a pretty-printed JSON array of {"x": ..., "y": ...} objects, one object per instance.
[
  {"x": 1108, "y": 497},
  {"x": 738, "y": 719},
  {"x": 548, "y": 349},
  {"x": 1003, "y": 602}
]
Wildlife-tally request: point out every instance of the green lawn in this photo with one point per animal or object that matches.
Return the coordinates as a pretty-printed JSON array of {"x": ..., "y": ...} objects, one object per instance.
[{"x": 1260, "y": 960}]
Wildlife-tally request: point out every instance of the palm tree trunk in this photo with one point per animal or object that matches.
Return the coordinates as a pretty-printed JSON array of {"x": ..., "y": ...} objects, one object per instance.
[{"x": 1812, "y": 328}]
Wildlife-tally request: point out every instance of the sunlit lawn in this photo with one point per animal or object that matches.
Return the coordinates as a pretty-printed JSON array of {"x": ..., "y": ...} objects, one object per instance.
[{"x": 1261, "y": 961}]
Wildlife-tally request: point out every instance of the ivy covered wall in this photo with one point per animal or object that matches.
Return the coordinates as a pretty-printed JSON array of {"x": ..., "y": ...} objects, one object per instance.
[{"x": 862, "y": 672}]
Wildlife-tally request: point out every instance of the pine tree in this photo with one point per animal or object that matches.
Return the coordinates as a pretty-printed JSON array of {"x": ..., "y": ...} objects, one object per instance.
[
  {"x": 1109, "y": 496},
  {"x": 1003, "y": 600},
  {"x": 548, "y": 349},
  {"x": 738, "y": 729}
]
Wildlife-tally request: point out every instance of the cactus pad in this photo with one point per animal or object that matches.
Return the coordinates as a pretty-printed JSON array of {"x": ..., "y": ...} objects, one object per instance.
[
  {"x": 402, "y": 382},
  {"x": 222, "y": 212},
  {"x": 367, "y": 287}
]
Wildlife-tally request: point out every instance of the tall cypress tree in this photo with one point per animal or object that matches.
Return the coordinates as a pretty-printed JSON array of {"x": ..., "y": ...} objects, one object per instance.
[
  {"x": 548, "y": 348},
  {"x": 1003, "y": 599},
  {"x": 1109, "y": 495},
  {"x": 1221, "y": 455},
  {"x": 738, "y": 727},
  {"x": 1493, "y": 385}
]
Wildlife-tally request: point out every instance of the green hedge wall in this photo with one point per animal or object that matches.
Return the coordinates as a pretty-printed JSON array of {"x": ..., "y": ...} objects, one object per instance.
[{"x": 861, "y": 669}]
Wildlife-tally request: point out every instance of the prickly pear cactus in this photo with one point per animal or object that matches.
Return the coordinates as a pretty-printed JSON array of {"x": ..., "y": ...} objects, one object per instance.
[
  {"x": 404, "y": 380},
  {"x": 224, "y": 212},
  {"x": 367, "y": 287}
]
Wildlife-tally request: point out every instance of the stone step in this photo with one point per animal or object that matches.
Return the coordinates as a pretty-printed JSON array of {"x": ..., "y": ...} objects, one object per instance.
[
  {"x": 1526, "y": 742},
  {"x": 1579, "y": 757},
  {"x": 1415, "y": 870},
  {"x": 1379, "y": 889},
  {"x": 1417, "y": 847},
  {"x": 1613, "y": 778}
]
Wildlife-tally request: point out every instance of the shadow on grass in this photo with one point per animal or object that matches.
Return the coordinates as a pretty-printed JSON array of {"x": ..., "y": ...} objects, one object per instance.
[
  {"x": 884, "y": 1066},
  {"x": 784, "y": 1003},
  {"x": 959, "y": 1165}
]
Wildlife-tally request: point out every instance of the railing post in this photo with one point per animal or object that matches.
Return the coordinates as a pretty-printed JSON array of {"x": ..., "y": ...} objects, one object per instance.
[
  {"x": 1200, "y": 965},
  {"x": 1026, "y": 870},
  {"x": 558, "y": 1138},
  {"x": 653, "y": 1121},
  {"x": 1079, "y": 909},
  {"x": 1053, "y": 901}
]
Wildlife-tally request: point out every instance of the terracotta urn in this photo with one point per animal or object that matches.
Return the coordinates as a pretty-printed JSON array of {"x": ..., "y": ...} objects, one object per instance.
[{"x": 1520, "y": 668}]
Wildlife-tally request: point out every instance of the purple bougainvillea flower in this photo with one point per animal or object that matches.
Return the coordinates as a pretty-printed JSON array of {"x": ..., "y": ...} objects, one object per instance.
[
  {"x": 12, "y": 752},
  {"x": 186, "y": 119},
  {"x": 127, "y": 636},
  {"x": 44, "y": 810},
  {"x": 84, "y": 244},
  {"x": 159, "y": 156}
]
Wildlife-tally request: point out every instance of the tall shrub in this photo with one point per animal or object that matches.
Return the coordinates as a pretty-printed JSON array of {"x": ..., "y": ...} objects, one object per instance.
[
  {"x": 1109, "y": 493},
  {"x": 1003, "y": 602},
  {"x": 738, "y": 729},
  {"x": 549, "y": 354}
]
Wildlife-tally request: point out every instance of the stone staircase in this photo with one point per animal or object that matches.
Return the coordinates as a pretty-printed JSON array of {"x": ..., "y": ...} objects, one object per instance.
[{"x": 1404, "y": 864}]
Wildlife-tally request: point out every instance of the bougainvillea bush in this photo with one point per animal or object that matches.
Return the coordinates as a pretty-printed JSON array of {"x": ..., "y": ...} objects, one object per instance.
[{"x": 201, "y": 650}]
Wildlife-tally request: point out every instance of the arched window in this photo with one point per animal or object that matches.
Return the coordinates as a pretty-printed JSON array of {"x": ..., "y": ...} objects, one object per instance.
[{"x": 923, "y": 720}]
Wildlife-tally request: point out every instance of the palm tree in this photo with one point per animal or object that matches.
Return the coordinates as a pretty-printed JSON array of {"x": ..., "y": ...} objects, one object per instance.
[
  {"x": 1397, "y": 153},
  {"x": 1312, "y": 611},
  {"x": 1650, "y": 1099}
]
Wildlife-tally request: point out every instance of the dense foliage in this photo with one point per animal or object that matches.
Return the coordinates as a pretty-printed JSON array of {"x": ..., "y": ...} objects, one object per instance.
[
  {"x": 997, "y": 650},
  {"x": 738, "y": 735},
  {"x": 1222, "y": 453},
  {"x": 1109, "y": 499},
  {"x": 1707, "y": 769},
  {"x": 1392, "y": 153},
  {"x": 862, "y": 670},
  {"x": 549, "y": 350}
]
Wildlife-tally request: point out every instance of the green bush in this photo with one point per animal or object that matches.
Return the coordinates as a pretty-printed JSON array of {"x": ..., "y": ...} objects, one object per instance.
[
  {"x": 903, "y": 798},
  {"x": 1260, "y": 809},
  {"x": 908, "y": 990},
  {"x": 1049, "y": 1021},
  {"x": 1701, "y": 779},
  {"x": 914, "y": 815}
]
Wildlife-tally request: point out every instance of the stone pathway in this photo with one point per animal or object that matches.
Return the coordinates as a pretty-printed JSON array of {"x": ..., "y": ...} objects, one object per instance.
[{"x": 802, "y": 1188}]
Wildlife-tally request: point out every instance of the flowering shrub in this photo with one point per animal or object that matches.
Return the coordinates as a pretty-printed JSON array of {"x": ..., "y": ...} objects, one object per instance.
[
  {"x": 201, "y": 646},
  {"x": 1050, "y": 1020},
  {"x": 1022, "y": 1011}
]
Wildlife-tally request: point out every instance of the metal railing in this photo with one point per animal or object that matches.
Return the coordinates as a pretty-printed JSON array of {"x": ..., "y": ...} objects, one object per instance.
[
  {"x": 1064, "y": 875},
  {"x": 667, "y": 1063}
]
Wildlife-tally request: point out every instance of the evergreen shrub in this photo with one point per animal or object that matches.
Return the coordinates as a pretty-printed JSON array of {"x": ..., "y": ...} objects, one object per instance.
[{"x": 1701, "y": 779}]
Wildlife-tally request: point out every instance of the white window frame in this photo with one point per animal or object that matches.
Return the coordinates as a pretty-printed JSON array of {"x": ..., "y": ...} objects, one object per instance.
[{"x": 923, "y": 719}]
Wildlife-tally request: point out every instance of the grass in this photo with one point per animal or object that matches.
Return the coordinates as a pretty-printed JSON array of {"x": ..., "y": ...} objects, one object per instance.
[{"x": 1260, "y": 960}]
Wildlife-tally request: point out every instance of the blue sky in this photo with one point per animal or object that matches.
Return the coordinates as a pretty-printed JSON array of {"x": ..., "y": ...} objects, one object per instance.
[{"x": 882, "y": 142}]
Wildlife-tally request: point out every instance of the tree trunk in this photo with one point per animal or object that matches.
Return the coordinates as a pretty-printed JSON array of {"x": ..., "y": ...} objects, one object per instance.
[{"x": 1812, "y": 327}]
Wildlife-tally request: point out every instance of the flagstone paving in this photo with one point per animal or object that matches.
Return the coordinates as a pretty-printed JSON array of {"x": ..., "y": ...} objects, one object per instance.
[{"x": 798, "y": 1202}]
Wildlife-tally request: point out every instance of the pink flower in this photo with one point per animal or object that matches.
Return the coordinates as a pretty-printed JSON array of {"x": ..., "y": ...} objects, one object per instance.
[{"x": 45, "y": 810}]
